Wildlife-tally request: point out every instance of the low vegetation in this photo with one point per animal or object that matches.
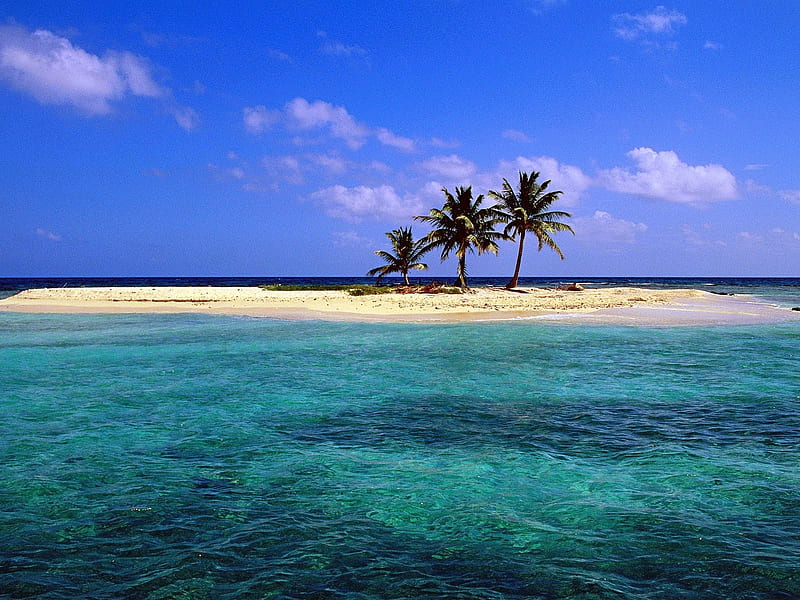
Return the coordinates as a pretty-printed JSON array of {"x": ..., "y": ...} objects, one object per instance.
[{"x": 353, "y": 290}]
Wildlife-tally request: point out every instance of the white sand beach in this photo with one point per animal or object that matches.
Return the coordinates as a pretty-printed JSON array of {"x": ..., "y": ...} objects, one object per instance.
[{"x": 616, "y": 305}]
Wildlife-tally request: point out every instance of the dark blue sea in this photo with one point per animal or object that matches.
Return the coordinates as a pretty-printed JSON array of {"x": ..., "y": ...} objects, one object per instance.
[{"x": 185, "y": 456}]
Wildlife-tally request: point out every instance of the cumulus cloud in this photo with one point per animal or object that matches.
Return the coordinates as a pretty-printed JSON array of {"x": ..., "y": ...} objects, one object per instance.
[
  {"x": 603, "y": 228},
  {"x": 451, "y": 167},
  {"x": 662, "y": 175},
  {"x": 301, "y": 115},
  {"x": 658, "y": 22},
  {"x": 569, "y": 179},
  {"x": 307, "y": 115},
  {"x": 54, "y": 71},
  {"x": 257, "y": 119},
  {"x": 357, "y": 203}
]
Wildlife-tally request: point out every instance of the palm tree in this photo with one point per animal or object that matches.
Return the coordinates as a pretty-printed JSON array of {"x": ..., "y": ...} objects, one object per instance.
[
  {"x": 528, "y": 210},
  {"x": 407, "y": 254},
  {"x": 461, "y": 226}
]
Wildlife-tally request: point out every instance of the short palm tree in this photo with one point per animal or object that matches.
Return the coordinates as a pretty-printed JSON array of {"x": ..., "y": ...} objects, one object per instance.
[
  {"x": 407, "y": 254},
  {"x": 462, "y": 226},
  {"x": 528, "y": 210}
]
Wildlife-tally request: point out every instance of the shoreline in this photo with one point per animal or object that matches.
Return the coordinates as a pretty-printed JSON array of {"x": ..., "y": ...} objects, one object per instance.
[{"x": 617, "y": 305}]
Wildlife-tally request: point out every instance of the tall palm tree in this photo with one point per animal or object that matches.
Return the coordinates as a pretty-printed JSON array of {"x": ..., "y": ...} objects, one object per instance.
[
  {"x": 462, "y": 226},
  {"x": 528, "y": 210},
  {"x": 407, "y": 254}
]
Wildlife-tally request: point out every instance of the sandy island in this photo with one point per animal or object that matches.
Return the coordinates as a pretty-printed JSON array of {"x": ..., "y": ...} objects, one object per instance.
[{"x": 608, "y": 305}]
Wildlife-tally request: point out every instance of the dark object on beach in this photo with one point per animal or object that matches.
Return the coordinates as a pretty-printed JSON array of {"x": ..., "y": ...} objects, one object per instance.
[
  {"x": 796, "y": 308},
  {"x": 571, "y": 287},
  {"x": 720, "y": 293}
]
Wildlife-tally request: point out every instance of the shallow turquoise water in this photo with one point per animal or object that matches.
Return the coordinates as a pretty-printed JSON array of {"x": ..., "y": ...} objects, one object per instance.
[{"x": 178, "y": 456}]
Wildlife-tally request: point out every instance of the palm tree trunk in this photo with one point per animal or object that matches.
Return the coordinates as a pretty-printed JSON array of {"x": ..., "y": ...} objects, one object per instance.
[
  {"x": 515, "y": 278},
  {"x": 462, "y": 271},
  {"x": 405, "y": 278}
]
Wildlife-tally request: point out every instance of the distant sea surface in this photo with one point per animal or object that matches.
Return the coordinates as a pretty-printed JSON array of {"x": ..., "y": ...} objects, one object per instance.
[{"x": 191, "y": 456}]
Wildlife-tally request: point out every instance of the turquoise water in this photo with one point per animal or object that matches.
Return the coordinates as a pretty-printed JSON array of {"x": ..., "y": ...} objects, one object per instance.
[{"x": 179, "y": 456}]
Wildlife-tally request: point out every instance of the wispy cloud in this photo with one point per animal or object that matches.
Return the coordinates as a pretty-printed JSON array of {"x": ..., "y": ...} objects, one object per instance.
[
  {"x": 603, "y": 228},
  {"x": 792, "y": 196},
  {"x": 662, "y": 175},
  {"x": 48, "y": 235},
  {"x": 333, "y": 47},
  {"x": 348, "y": 239},
  {"x": 362, "y": 202},
  {"x": 515, "y": 135},
  {"x": 709, "y": 45},
  {"x": 278, "y": 55},
  {"x": 54, "y": 71},
  {"x": 257, "y": 119},
  {"x": 451, "y": 167},
  {"x": 304, "y": 116},
  {"x": 644, "y": 25},
  {"x": 538, "y": 7}
]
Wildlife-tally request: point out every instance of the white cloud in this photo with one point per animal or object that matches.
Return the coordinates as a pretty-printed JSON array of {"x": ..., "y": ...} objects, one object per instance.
[
  {"x": 54, "y": 71},
  {"x": 662, "y": 175},
  {"x": 749, "y": 236},
  {"x": 603, "y": 228},
  {"x": 792, "y": 196},
  {"x": 307, "y": 115},
  {"x": 452, "y": 167},
  {"x": 330, "y": 162},
  {"x": 569, "y": 179},
  {"x": 344, "y": 239},
  {"x": 258, "y": 119},
  {"x": 700, "y": 239},
  {"x": 301, "y": 115},
  {"x": 287, "y": 168},
  {"x": 756, "y": 166},
  {"x": 658, "y": 22},
  {"x": 357, "y": 203},
  {"x": 517, "y": 136},
  {"x": 537, "y": 7},
  {"x": 440, "y": 143},
  {"x": 278, "y": 55},
  {"x": 334, "y": 48},
  {"x": 186, "y": 117},
  {"x": 387, "y": 138},
  {"x": 709, "y": 45},
  {"x": 48, "y": 235}
]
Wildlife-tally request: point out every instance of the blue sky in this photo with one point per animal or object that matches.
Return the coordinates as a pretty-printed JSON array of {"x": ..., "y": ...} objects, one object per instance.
[{"x": 284, "y": 138}]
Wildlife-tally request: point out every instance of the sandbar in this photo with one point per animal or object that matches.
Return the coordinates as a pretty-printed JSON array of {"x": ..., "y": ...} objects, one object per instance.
[{"x": 623, "y": 305}]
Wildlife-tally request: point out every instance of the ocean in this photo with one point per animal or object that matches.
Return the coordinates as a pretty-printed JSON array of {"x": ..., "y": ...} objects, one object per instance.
[{"x": 216, "y": 457}]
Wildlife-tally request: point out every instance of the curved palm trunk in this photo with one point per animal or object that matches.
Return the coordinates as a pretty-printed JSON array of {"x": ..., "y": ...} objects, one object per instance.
[
  {"x": 515, "y": 277},
  {"x": 405, "y": 278},
  {"x": 462, "y": 271}
]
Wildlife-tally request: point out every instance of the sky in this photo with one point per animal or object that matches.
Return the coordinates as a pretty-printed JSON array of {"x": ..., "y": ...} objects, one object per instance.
[{"x": 285, "y": 138}]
